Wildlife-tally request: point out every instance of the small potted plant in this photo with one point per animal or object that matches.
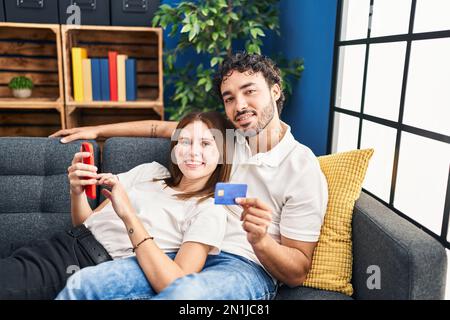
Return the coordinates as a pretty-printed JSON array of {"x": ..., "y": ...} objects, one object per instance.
[{"x": 21, "y": 86}]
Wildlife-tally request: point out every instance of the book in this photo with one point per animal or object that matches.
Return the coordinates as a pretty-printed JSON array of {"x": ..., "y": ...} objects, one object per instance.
[
  {"x": 112, "y": 58},
  {"x": 87, "y": 80},
  {"x": 78, "y": 54},
  {"x": 131, "y": 79},
  {"x": 96, "y": 80},
  {"x": 121, "y": 78},
  {"x": 104, "y": 79}
]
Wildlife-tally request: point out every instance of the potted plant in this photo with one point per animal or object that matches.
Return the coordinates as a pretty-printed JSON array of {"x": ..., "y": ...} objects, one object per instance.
[
  {"x": 214, "y": 29},
  {"x": 21, "y": 86}
]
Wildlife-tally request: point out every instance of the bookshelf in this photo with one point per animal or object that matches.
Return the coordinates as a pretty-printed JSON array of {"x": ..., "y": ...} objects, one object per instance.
[
  {"x": 43, "y": 53},
  {"x": 141, "y": 43},
  {"x": 32, "y": 50}
]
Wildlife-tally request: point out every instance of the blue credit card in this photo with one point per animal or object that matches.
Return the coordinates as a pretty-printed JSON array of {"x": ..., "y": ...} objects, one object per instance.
[{"x": 225, "y": 193}]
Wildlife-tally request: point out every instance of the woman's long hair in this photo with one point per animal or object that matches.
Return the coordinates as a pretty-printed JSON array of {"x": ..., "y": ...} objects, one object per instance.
[{"x": 213, "y": 120}]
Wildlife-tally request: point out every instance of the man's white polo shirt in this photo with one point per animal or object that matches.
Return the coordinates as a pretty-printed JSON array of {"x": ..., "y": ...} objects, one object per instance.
[{"x": 288, "y": 178}]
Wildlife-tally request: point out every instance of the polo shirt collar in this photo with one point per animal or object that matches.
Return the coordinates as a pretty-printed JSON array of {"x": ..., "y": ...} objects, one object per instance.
[{"x": 271, "y": 158}]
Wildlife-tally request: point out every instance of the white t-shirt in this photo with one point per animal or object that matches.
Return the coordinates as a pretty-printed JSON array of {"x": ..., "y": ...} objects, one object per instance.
[
  {"x": 170, "y": 221},
  {"x": 289, "y": 179}
]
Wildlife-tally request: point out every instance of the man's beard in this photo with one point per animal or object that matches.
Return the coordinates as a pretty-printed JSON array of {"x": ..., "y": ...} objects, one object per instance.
[{"x": 266, "y": 116}]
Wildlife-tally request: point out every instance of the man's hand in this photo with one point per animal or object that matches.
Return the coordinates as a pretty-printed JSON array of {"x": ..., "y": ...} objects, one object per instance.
[
  {"x": 77, "y": 134},
  {"x": 256, "y": 218}
]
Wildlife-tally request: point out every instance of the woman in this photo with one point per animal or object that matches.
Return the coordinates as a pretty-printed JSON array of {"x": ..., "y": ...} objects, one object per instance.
[{"x": 150, "y": 212}]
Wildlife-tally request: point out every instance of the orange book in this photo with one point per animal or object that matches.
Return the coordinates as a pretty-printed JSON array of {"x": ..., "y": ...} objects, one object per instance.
[
  {"x": 121, "y": 77},
  {"x": 87, "y": 80}
]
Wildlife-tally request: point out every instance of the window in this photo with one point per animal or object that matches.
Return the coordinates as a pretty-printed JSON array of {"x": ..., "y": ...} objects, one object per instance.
[{"x": 392, "y": 93}]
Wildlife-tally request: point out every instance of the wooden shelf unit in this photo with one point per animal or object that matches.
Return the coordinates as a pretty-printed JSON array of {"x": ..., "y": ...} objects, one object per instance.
[
  {"x": 142, "y": 43},
  {"x": 42, "y": 52},
  {"x": 32, "y": 50}
]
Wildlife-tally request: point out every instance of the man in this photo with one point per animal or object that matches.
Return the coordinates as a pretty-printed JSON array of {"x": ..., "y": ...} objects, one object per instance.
[{"x": 278, "y": 225}]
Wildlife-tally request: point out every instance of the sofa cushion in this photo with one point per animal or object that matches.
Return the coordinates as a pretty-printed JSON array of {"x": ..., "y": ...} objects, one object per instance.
[
  {"x": 411, "y": 263},
  {"x": 121, "y": 154},
  {"x": 304, "y": 293},
  {"x": 332, "y": 261},
  {"x": 34, "y": 188}
]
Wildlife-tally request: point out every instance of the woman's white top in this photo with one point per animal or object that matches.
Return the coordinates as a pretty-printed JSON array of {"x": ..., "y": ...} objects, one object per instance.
[{"x": 169, "y": 220}]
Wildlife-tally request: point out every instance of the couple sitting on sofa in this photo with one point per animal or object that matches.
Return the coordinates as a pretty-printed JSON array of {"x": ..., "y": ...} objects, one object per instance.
[{"x": 160, "y": 236}]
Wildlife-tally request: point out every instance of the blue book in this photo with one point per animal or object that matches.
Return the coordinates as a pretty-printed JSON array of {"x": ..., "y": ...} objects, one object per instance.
[
  {"x": 96, "y": 80},
  {"x": 131, "y": 79},
  {"x": 104, "y": 75}
]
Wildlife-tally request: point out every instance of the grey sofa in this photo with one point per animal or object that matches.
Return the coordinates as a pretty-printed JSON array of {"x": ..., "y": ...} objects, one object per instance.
[{"x": 35, "y": 202}]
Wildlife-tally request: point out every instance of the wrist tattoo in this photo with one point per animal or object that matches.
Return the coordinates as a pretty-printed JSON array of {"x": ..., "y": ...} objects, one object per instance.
[{"x": 153, "y": 130}]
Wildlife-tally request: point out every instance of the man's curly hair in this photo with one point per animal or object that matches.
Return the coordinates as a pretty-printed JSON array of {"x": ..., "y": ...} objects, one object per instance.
[{"x": 254, "y": 63}]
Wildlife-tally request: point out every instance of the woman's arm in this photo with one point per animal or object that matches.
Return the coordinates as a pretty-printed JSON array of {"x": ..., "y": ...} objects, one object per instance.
[
  {"x": 145, "y": 128},
  {"x": 159, "y": 269},
  {"x": 79, "y": 208}
]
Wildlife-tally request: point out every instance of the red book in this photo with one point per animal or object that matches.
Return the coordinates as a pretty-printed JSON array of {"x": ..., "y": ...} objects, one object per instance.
[{"x": 112, "y": 57}]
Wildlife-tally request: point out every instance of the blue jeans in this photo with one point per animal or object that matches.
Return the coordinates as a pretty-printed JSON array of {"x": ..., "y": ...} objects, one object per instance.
[{"x": 224, "y": 276}]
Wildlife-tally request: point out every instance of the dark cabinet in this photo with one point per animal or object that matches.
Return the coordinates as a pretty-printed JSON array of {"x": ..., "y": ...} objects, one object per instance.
[
  {"x": 35, "y": 11},
  {"x": 133, "y": 12}
]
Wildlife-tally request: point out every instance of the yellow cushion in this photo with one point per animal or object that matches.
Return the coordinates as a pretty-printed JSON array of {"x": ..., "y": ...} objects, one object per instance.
[{"x": 332, "y": 261}]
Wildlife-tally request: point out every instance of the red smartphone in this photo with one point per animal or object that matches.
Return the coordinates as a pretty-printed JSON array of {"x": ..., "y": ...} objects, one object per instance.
[{"x": 91, "y": 190}]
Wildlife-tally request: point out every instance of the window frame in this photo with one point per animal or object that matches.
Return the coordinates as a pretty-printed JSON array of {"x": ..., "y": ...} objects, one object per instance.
[{"x": 398, "y": 125}]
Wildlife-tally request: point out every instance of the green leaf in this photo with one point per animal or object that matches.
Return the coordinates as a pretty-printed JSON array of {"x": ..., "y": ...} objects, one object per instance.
[
  {"x": 186, "y": 28},
  {"x": 227, "y": 43},
  {"x": 165, "y": 7},
  {"x": 257, "y": 32},
  {"x": 163, "y": 22},
  {"x": 214, "y": 61},
  {"x": 234, "y": 16},
  {"x": 208, "y": 86},
  {"x": 191, "y": 35},
  {"x": 197, "y": 28},
  {"x": 184, "y": 101},
  {"x": 260, "y": 32},
  {"x": 204, "y": 11},
  {"x": 155, "y": 21},
  {"x": 210, "y": 22},
  {"x": 222, "y": 4},
  {"x": 201, "y": 81},
  {"x": 169, "y": 61},
  {"x": 199, "y": 46},
  {"x": 215, "y": 36}
]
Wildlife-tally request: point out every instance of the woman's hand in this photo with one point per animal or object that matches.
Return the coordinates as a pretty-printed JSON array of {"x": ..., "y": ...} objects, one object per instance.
[
  {"x": 118, "y": 195},
  {"x": 81, "y": 174}
]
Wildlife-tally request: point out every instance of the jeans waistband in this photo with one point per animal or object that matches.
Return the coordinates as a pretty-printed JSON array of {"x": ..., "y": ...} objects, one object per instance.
[{"x": 91, "y": 246}]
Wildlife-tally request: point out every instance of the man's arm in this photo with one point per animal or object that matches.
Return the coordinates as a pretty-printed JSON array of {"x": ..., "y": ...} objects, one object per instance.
[
  {"x": 290, "y": 261},
  {"x": 145, "y": 128}
]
